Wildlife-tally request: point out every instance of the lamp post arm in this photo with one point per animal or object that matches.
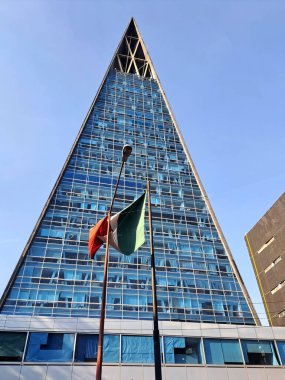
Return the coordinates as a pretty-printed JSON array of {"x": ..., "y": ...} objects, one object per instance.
[{"x": 116, "y": 187}]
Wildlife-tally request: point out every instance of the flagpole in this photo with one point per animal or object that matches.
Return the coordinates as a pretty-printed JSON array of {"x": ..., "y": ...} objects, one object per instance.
[
  {"x": 156, "y": 340},
  {"x": 127, "y": 150}
]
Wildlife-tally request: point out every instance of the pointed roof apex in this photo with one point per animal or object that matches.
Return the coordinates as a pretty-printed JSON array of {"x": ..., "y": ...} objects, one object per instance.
[
  {"x": 131, "y": 55},
  {"x": 132, "y": 28},
  {"x": 132, "y": 21}
]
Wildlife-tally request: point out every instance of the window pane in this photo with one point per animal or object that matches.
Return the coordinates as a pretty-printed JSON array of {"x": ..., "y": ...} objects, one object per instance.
[
  {"x": 86, "y": 348},
  {"x": 182, "y": 350},
  {"x": 111, "y": 349},
  {"x": 12, "y": 346},
  {"x": 219, "y": 351},
  {"x": 87, "y": 344},
  {"x": 213, "y": 351},
  {"x": 281, "y": 348},
  {"x": 50, "y": 347},
  {"x": 232, "y": 352},
  {"x": 137, "y": 349},
  {"x": 259, "y": 352}
]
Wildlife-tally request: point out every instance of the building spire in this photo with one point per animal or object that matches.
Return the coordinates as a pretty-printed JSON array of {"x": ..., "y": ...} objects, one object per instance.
[{"x": 131, "y": 55}]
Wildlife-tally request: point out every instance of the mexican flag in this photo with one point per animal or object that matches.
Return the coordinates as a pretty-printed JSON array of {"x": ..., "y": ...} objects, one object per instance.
[{"x": 126, "y": 232}]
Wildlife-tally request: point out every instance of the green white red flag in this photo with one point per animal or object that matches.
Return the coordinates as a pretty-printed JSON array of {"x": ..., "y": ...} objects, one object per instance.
[{"x": 126, "y": 232}]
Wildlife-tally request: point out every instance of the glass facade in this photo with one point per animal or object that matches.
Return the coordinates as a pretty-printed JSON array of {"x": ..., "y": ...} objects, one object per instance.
[
  {"x": 137, "y": 349},
  {"x": 87, "y": 345},
  {"x": 182, "y": 350},
  {"x": 222, "y": 351},
  {"x": 12, "y": 346},
  {"x": 78, "y": 348},
  {"x": 45, "y": 347},
  {"x": 281, "y": 348},
  {"x": 195, "y": 281},
  {"x": 260, "y": 352}
]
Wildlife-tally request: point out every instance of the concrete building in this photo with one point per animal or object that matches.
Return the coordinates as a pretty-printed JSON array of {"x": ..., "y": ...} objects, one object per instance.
[
  {"x": 50, "y": 308},
  {"x": 266, "y": 246}
]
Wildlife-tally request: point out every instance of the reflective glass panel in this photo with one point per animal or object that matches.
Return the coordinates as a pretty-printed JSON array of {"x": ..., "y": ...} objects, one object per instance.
[
  {"x": 225, "y": 351},
  {"x": 49, "y": 347},
  {"x": 281, "y": 349},
  {"x": 259, "y": 352},
  {"x": 87, "y": 345},
  {"x": 137, "y": 349},
  {"x": 12, "y": 346},
  {"x": 182, "y": 350}
]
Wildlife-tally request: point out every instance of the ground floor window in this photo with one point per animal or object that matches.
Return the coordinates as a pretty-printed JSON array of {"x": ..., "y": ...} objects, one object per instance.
[
  {"x": 222, "y": 351},
  {"x": 182, "y": 350},
  {"x": 49, "y": 347},
  {"x": 12, "y": 346},
  {"x": 259, "y": 352}
]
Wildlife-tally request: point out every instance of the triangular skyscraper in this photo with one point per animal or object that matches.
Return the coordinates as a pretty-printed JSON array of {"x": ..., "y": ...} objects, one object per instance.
[{"x": 197, "y": 279}]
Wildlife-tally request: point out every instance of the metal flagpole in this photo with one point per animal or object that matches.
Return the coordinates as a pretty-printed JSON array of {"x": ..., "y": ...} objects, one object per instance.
[
  {"x": 127, "y": 150},
  {"x": 156, "y": 341}
]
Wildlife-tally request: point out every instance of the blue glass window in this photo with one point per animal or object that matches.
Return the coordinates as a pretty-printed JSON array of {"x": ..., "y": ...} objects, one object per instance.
[
  {"x": 260, "y": 352},
  {"x": 49, "y": 347},
  {"x": 137, "y": 349},
  {"x": 219, "y": 351},
  {"x": 182, "y": 350},
  {"x": 12, "y": 346},
  {"x": 281, "y": 349},
  {"x": 87, "y": 345}
]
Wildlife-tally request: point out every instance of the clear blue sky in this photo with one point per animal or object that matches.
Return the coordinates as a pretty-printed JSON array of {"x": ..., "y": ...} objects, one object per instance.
[{"x": 221, "y": 63}]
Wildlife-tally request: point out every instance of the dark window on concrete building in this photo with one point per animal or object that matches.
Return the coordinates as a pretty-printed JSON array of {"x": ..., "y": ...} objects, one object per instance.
[
  {"x": 259, "y": 352},
  {"x": 182, "y": 350},
  {"x": 87, "y": 344},
  {"x": 12, "y": 346}
]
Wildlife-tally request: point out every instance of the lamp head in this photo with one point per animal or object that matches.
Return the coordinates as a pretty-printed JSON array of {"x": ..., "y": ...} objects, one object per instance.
[{"x": 126, "y": 152}]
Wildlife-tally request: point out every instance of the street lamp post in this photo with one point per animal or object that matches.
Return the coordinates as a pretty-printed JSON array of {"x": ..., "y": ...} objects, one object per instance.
[{"x": 126, "y": 152}]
